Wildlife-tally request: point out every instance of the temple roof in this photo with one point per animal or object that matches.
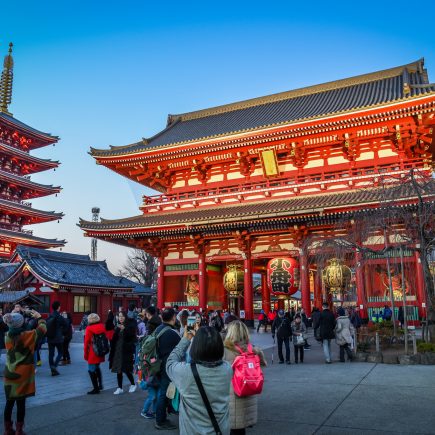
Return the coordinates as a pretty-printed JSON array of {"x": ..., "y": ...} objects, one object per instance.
[
  {"x": 72, "y": 270},
  {"x": 365, "y": 91},
  {"x": 13, "y": 122},
  {"x": 24, "y": 156},
  {"x": 47, "y": 189},
  {"x": 225, "y": 214},
  {"x": 24, "y": 210},
  {"x": 28, "y": 239}
]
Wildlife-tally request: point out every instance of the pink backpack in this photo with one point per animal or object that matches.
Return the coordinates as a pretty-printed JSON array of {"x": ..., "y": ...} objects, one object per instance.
[{"x": 248, "y": 378}]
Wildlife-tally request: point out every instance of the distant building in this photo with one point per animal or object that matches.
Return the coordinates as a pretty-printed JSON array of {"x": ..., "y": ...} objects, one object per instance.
[
  {"x": 76, "y": 281},
  {"x": 16, "y": 166}
]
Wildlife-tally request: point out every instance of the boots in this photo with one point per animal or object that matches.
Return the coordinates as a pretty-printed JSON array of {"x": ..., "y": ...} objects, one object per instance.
[
  {"x": 9, "y": 429},
  {"x": 99, "y": 379},
  {"x": 93, "y": 376},
  {"x": 19, "y": 428}
]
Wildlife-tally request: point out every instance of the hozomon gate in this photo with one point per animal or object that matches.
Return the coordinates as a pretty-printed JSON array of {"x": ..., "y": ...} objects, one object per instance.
[{"x": 248, "y": 182}]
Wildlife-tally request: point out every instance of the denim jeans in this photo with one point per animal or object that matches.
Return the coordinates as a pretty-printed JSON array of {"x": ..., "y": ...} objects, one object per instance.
[
  {"x": 51, "y": 347},
  {"x": 151, "y": 400},
  {"x": 162, "y": 399},
  {"x": 327, "y": 349}
]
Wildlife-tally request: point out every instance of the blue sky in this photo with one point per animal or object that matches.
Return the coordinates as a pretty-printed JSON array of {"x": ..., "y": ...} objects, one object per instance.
[{"x": 97, "y": 73}]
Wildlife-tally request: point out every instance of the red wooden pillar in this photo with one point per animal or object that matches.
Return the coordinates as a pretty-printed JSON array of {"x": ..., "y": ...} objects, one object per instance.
[
  {"x": 265, "y": 294},
  {"x": 305, "y": 283},
  {"x": 202, "y": 281},
  {"x": 160, "y": 283},
  {"x": 360, "y": 294},
  {"x": 318, "y": 297},
  {"x": 421, "y": 293},
  {"x": 248, "y": 292}
]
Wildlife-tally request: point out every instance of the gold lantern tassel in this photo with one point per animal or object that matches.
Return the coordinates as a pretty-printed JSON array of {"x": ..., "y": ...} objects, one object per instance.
[{"x": 6, "y": 82}]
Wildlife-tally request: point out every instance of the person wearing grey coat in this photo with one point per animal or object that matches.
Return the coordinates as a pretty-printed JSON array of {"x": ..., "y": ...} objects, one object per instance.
[
  {"x": 206, "y": 352},
  {"x": 344, "y": 331}
]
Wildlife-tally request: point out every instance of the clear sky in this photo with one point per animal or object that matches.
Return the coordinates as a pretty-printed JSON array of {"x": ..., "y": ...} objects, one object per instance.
[{"x": 99, "y": 73}]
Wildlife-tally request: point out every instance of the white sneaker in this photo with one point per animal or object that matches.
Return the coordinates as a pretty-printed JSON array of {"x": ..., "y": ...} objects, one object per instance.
[
  {"x": 118, "y": 391},
  {"x": 132, "y": 389}
]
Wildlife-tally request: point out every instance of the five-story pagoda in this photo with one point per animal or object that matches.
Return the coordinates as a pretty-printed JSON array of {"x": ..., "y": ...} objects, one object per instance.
[{"x": 16, "y": 166}]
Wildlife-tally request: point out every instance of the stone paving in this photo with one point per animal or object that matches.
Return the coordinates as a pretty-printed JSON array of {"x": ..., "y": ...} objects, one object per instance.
[{"x": 309, "y": 398}]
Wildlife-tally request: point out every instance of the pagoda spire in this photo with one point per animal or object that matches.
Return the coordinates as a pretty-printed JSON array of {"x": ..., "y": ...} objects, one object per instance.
[{"x": 6, "y": 82}]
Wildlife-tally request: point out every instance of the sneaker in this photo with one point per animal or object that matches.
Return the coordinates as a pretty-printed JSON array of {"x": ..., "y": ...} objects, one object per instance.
[
  {"x": 54, "y": 372},
  {"x": 166, "y": 425},
  {"x": 147, "y": 415},
  {"x": 281, "y": 362},
  {"x": 132, "y": 389},
  {"x": 118, "y": 391},
  {"x": 288, "y": 362},
  {"x": 39, "y": 363}
]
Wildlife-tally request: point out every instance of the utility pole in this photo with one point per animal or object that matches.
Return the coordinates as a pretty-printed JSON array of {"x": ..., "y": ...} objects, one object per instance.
[{"x": 95, "y": 218}]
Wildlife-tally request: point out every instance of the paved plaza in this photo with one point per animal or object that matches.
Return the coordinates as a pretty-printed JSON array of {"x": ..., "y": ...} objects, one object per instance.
[{"x": 309, "y": 398}]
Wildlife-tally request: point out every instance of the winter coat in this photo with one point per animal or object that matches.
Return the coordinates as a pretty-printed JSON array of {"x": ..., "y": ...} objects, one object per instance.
[
  {"x": 327, "y": 325},
  {"x": 282, "y": 326},
  {"x": 344, "y": 331},
  {"x": 123, "y": 347},
  {"x": 166, "y": 344},
  {"x": 68, "y": 330},
  {"x": 315, "y": 317},
  {"x": 194, "y": 418},
  {"x": 60, "y": 328},
  {"x": 3, "y": 330},
  {"x": 298, "y": 329},
  {"x": 89, "y": 355},
  {"x": 243, "y": 410},
  {"x": 19, "y": 374}
]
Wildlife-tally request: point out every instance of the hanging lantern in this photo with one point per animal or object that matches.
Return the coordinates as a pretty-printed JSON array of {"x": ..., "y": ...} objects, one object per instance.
[
  {"x": 283, "y": 276},
  {"x": 336, "y": 276},
  {"x": 234, "y": 280}
]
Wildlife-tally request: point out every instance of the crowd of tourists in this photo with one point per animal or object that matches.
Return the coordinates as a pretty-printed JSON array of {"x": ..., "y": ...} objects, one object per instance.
[{"x": 190, "y": 363}]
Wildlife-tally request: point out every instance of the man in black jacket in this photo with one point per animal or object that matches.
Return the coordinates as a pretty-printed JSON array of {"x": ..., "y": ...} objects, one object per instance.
[
  {"x": 327, "y": 325},
  {"x": 165, "y": 345},
  {"x": 56, "y": 327},
  {"x": 282, "y": 326}
]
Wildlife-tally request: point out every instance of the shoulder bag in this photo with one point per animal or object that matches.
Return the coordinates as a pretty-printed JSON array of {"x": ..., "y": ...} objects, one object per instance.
[{"x": 205, "y": 399}]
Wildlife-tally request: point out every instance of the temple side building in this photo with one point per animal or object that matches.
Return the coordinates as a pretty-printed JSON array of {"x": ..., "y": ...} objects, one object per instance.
[
  {"x": 251, "y": 187},
  {"x": 17, "y": 141}
]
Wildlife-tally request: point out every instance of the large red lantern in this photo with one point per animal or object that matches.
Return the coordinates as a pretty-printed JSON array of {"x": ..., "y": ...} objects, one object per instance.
[{"x": 283, "y": 276}]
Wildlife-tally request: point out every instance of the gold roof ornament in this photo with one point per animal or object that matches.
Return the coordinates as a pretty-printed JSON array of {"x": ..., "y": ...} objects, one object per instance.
[{"x": 6, "y": 82}]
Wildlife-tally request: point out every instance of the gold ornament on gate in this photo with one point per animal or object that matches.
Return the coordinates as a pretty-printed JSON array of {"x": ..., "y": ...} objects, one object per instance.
[
  {"x": 234, "y": 280},
  {"x": 336, "y": 276}
]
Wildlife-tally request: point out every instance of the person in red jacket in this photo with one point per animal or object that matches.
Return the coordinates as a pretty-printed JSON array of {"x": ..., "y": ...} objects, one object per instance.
[{"x": 94, "y": 327}]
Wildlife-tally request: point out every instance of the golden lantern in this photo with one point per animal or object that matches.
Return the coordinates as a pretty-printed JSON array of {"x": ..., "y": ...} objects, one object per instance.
[
  {"x": 336, "y": 276},
  {"x": 234, "y": 280}
]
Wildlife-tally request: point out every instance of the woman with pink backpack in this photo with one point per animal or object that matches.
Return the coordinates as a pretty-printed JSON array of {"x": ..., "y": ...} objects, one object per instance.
[{"x": 243, "y": 404}]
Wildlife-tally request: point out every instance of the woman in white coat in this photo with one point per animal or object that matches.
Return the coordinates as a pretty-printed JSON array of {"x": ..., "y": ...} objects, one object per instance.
[{"x": 344, "y": 332}]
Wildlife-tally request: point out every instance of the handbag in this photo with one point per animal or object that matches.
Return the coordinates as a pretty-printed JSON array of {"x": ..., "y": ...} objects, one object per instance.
[
  {"x": 300, "y": 340},
  {"x": 170, "y": 392},
  {"x": 205, "y": 399}
]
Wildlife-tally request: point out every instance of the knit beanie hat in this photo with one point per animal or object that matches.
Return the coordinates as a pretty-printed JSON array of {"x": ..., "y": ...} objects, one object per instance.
[
  {"x": 93, "y": 318},
  {"x": 13, "y": 320}
]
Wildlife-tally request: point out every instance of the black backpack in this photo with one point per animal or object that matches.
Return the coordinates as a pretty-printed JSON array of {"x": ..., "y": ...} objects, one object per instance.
[
  {"x": 51, "y": 327},
  {"x": 100, "y": 344}
]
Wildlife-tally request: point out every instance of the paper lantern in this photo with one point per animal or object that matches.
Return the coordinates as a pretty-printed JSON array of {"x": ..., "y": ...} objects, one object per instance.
[
  {"x": 234, "y": 280},
  {"x": 336, "y": 276},
  {"x": 283, "y": 276}
]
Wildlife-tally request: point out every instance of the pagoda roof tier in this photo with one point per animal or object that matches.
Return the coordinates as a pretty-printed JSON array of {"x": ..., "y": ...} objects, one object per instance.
[
  {"x": 295, "y": 209},
  {"x": 24, "y": 210},
  {"x": 399, "y": 84},
  {"x": 61, "y": 269},
  {"x": 36, "y": 188},
  {"x": 43, "y": 138},
  {"x": 35, "y": 164},
  {"x": 27, "y": 238}
]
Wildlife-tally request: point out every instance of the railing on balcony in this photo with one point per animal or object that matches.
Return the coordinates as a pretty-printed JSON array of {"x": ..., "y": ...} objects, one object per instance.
[
  {"x": 15, "y": 199},
  {"x": 324, "y": 176},
  {"x": 16, "y": 229}
]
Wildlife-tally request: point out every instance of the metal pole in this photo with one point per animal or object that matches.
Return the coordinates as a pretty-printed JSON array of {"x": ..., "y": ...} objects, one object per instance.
[
  {"x": 377, "y": 341},
  {"x": 405, "y": 321},
  {"x": 414, "y": 344}
]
